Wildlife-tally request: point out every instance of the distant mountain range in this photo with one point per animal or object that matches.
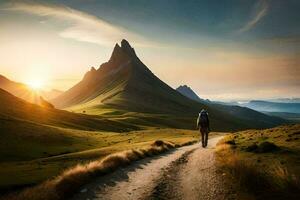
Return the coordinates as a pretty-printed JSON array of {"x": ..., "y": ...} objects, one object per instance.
[
  {"x": 125, "y": 88},
  {"x": 285, "y": 100},
  {"x": 270, "y": 106},
  {"x": 286, "y": 106},
  {"x": 24, "y": 92},
  {"x": 267, "y": 106}
]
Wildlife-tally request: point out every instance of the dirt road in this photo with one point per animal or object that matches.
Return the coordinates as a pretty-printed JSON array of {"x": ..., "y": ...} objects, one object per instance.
[{"x": 185, "y": 173}]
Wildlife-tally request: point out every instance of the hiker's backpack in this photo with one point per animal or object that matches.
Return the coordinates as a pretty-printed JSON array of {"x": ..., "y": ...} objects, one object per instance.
[{"x": 203, "y": 121}]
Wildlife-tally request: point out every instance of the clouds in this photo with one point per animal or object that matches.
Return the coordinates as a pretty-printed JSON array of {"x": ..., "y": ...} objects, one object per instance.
[
  {"x": 78, "y": 25},
  {"x": 261, "y": 9}
]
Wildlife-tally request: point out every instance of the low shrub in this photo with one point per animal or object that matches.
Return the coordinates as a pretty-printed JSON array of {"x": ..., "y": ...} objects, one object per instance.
[
  {"x": 266, "y": 147},
  {"x": 251, "y": 147}
]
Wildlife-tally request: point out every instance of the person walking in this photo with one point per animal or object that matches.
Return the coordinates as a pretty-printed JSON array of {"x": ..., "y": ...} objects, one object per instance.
[{"x": 203, "y": 126}]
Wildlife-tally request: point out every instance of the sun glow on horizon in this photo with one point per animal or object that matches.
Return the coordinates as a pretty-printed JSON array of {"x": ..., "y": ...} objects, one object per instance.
[
  {"x": 35, "y": 84},
  {"x": 37, "y": 76}
]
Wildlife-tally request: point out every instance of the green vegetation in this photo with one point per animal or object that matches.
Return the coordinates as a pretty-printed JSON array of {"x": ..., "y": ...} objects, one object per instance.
[
  {"x": 38, "y": 143},
  {"x": 137, "y": 119},
  {"x": 264, "y": 163},
  {"x": 68, "y": 182},
  {"x": 31, "y": 160}
]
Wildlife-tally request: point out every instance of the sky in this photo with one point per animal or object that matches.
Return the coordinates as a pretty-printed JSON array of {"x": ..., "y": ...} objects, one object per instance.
[{"x": 224, "y": 50}]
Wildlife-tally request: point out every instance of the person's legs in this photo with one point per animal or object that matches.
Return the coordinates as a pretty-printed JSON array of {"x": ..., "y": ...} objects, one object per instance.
[
  {"x": 202, "y": 137},
  {"x": 206, "y": 137}
]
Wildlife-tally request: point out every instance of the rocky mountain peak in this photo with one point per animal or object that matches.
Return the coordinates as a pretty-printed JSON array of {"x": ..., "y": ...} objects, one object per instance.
[
  {"x": 122, "y": 53},
  {"x": 126, "y": 47}
]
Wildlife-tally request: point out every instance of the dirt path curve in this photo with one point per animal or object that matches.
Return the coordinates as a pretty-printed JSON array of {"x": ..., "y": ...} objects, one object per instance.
[
  {"x": 194, "y": 176},
  {"x": 185, "y": 173}
]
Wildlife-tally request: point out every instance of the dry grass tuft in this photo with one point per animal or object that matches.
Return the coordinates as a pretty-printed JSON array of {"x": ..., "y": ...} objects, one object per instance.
[
  {"x": 227, "y": 140},
  {"x": 247, "y": 176},
  {"x": 70, "y": 181},
  {"x": 160, "y": 143},
  {"x": 285, "y": 179}
]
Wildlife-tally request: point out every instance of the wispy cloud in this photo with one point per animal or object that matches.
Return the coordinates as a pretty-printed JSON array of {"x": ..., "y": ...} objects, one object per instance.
[
  {"x": 79, "y": 25},
  {"x": 260, "y": 10}
]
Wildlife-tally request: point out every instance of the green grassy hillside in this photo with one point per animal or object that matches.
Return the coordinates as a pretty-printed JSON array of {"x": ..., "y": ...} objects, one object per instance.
[
  {"x": 14, "y": 110},
  {"x": 28, "y": 160},
  {"x": 38, "y": 143}
]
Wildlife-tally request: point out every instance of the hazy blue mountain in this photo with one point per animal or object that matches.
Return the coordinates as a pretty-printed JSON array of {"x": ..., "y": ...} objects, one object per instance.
[
  {"x": 266, "y": 106},
  {"x": 229, "y": 103},
  {"x": 285, "y": 100}
]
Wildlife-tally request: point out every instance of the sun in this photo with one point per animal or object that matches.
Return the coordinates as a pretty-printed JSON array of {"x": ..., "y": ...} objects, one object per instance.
[{"x": 35, "y": 84}]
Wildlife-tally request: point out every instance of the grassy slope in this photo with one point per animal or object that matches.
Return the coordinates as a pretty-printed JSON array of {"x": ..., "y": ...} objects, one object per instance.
[
  {"x": 286, "y": 137},
  {"x": 14, "y": 109},
  {"x": 279, "y": 169},
  {"x": 80, "y": 147},
  {"x": 37, "y": 143}
]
